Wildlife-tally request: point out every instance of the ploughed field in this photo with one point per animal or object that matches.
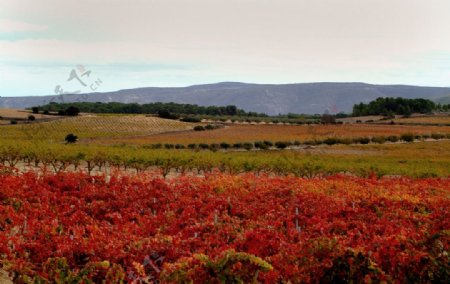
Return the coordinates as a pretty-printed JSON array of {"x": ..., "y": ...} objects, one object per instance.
[{"x": 71, "y": 227}]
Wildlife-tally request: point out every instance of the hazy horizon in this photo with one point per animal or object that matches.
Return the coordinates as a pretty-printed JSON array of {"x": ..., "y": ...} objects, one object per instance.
[{"x": 175, "y": 43}]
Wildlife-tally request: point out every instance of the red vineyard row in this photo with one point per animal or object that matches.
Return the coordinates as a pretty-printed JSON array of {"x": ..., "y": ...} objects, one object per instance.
[{"x": 142, "y": 229}]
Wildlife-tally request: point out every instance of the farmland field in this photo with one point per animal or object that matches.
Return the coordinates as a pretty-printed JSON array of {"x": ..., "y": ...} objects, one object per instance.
[
  {"x": 93, "y": 126},
  {"x": 443, "y": 119},
  {"x": 244, "y": 132},
  {"x": 111, "y": 208},
  {"x": 270, "y": 229}
]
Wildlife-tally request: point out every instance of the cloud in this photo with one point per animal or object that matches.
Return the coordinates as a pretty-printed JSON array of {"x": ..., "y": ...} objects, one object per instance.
[{"x": 11, "y": 26}]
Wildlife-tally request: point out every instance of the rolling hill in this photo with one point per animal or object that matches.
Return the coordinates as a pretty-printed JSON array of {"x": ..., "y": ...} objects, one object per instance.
[{"x": 268, "y": 98}]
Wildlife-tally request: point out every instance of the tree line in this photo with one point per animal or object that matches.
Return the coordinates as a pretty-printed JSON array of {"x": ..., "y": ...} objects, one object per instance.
[
  {"x": 150, "y": 108},
  {"x": 397, "y": 106}
]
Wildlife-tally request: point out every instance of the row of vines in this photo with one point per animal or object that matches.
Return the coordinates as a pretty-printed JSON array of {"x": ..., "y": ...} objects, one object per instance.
[
  {"x": 101, "y": 159},
  {"x": 75, "y": 228}
]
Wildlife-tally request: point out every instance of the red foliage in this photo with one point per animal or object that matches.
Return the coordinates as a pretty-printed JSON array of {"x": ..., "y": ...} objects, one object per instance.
[{"x": 346, "y": 227}]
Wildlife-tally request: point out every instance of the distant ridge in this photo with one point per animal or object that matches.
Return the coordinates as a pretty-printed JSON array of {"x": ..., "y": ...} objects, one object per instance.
[{"x": 267, "y": 98}]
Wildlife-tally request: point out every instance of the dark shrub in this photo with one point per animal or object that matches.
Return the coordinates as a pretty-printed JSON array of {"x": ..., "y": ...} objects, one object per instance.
[
  {"x": 407, "y": 137},
  {"x": 203, "y": 146},
  {"x": 157, "y": 146},
  {"x": 346, "y": 141},
  {"x": 31, "y": 118},
  {"x": 437, "y": 136},
  {"x": 13, "y": 121},
  {"x": 191, "y": 119},
  {"x": 237, "y": 145},
  {"x": 268, "y": 143},
  {"x": 392, "y": 139},
  {"x": 214, "y": 147},
  {"x": 362, "y": 140},
  {"x": 209, "y": 127},
  {"x": 378, "y": 139},
  {"x": 199, "y": 128},
  {"x": 192, "y": 146},
  {"x": 261, "y": 145},
  {"x": 281, "y": 144},
  {"x": 71, "y": 138},
  {"x": 72, "y": 111},
  {"x": 166, "y": 114},
  {"x": 169, "y": 146},
  {"x": 46, "y": 112},
  {"x": 35, "y": 110},
  {"x": 330, "y": 141},
  {"x": 179, "y": 146},
  {"x": 247, "y": 146},
  {"x": 224, "y": 145}
]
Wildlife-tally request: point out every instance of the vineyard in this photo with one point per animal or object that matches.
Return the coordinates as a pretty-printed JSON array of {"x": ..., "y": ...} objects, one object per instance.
[
  {"x": 71, "y": 227},
  {"x": 422, "y": 159},
  {"x": 93, "y": 126},
  {"x": 246, "y": 132},
  {"x": 147, "y": 200}
]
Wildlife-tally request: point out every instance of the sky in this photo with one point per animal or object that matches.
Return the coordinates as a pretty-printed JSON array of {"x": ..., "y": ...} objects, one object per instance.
[{"x": 52, "y": 46}]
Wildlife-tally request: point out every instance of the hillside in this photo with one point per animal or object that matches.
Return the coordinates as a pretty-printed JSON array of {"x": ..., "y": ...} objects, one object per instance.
[{"x": 271, "y": 99}]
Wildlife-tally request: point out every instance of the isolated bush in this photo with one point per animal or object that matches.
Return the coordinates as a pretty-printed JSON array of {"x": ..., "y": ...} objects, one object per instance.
[
  {"x": 345, "y": 141},
  {"x": 35, "y": 110},
  {"x": 392, "y": 138},
  {"x": 72, "y": 111},
  {"x": 378, "y": 139},
  {"x": 261, "y": 145},
  {"x": 13, "y": 121},
  {"x": 179, "y": 146},
  {"x": 224, "y": 145},
  {"x": 214, "y": 147},
  {"x": 191, "y": 119},
  {"x": 209, "y": 127},
  {"x": 247, "y": 146},
  {"x": 169, "y": 146},
  {"x": 237, "y": 145},
  {"x": 71, "y": 138},
  {"x": 362, "y": 140},
  {"x": 199, "y": 128},
  {"x": 281, "y": 144},
  {"x": 330, "y": 141},
  {"x": 167, "y": 115},
  {"x": 157, "y": 146},
  {"x": 268, "y": 143},
  {"x": 407, "y": 137},
  {"x": 437, "y": 136},
  {"x": 31, "y": 118},
  {"x": 203, "y": 146}
]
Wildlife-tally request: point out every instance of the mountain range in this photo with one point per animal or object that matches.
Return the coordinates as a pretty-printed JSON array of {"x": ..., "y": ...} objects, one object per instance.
[{"x": 308, "y": 98}]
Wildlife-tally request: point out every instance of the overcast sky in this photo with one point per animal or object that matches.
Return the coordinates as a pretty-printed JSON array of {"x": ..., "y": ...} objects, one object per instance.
[{"x": 128, "y": 44}]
